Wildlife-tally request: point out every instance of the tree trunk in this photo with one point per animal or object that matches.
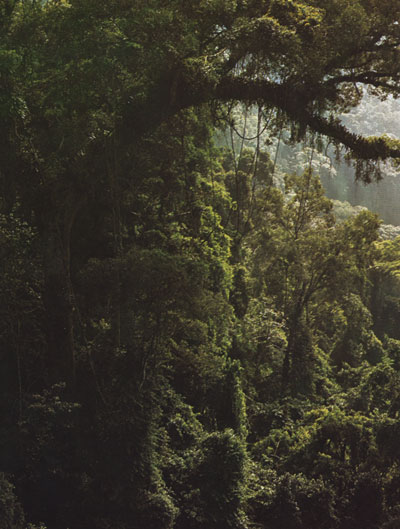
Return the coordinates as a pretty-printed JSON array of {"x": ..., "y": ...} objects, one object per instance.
[
  {"x": 293, "y": 327},
  {"x": 58, "y": 295}
]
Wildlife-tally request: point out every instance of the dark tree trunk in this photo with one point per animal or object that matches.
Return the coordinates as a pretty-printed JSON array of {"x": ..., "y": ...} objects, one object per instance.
[
  {"x": 58, "y": 305},
  {"x": 58, "y": 297}
]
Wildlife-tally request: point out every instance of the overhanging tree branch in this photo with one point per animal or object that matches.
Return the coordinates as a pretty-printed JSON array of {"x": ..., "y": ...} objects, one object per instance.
[
  {"x": 295, "y": 104},
  {"x": 185, "y": 91}
]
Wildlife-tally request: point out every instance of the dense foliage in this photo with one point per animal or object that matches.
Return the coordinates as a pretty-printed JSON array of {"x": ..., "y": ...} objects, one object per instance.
[{"x": 186, "y": 342}]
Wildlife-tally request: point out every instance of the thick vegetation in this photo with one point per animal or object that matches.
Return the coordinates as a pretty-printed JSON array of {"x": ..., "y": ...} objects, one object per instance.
[{"x": 185, "y": 344}]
